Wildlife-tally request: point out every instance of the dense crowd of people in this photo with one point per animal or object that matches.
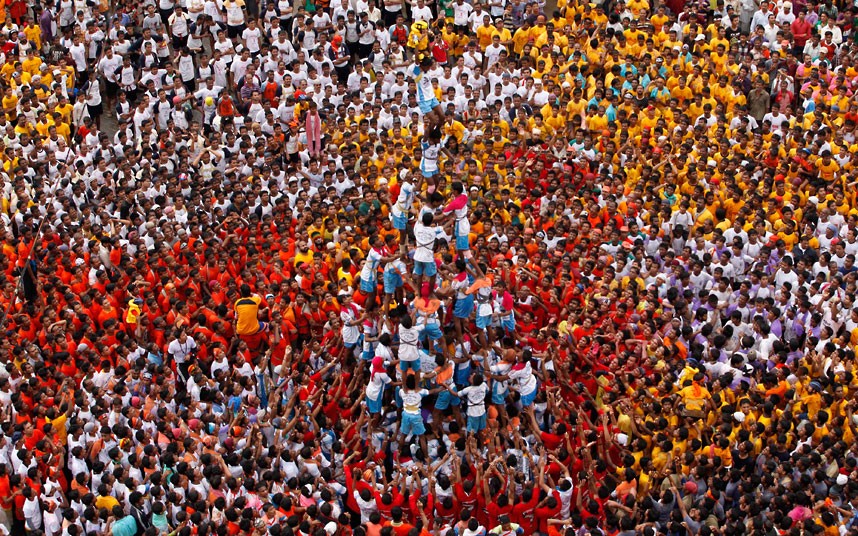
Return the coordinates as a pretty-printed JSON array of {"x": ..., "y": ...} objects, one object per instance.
[{"x": 409, "y": 268}]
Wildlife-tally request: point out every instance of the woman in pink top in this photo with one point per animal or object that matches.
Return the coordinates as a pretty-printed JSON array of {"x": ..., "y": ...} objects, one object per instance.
[{"x": 313, "y": 128}]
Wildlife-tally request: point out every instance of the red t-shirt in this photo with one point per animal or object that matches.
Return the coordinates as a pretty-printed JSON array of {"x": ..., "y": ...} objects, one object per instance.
[
  {"x": 466, "y": 500},
  {"x": 523, "y": 513},
  {"x": 545, "y": 513}
]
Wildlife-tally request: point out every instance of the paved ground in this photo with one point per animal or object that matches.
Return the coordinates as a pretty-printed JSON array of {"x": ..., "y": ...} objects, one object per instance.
[
  {"x": 109, "y": 125},
  {"x": 550, "y": 6}
]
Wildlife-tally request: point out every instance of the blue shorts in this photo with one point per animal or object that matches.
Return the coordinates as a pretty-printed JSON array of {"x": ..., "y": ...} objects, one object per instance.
[
  {"x": 399, "y": 222},
  {"x": 464, "y": 307},
  {"x": 425, "y": 268},
  {"x": 527, "y": 400},
  {"x": 508, "y": 324},
  {"x": 428, "y": 173},
  {"x": 351, "y": 345},
  {"x": 446, "y": 399},
  {"x": 475, "y": 424},
  {"x": 431, "y": 331},
  {"x": 413, "y": 365},
  {"x": 462, "y": 375},
  {"x": 428, "y": 105},
  {"x": 374, "y": 406},
  {"x": 368, "y": 286},
  {"x": 412, "y": 424},
  {"x": 484, "y": 321},
  {"x": 463, "y": 243},
  {"x": 499, "y": 397},
  {"x": 392, "y": 281}
]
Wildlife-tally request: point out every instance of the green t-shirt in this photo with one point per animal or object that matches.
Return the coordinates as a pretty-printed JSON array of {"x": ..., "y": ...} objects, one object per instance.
[{"x": 127, "y": 526}]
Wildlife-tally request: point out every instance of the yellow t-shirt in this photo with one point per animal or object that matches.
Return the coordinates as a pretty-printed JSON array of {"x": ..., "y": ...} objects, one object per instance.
[
  {"x": 658, "y": 22},
  {"x": 484, "y": 35},
  {"x": 31, "y": 65},
  {"x": 106, "y": 502},
  {"x": 34, "y": 34},
  {"x": 65, "y": 111},
  {"x": 303, "y": 257},
  {"x": 246, "y": 311},
  {"x": 519, "y": 39},
  {"x": 826, "y": 172},
  {"x": 59, "y": 424},
  {"x": 9, "y": 103},
  {"x": 694, "y": 397},
  {"x": 503, "y": 33}
]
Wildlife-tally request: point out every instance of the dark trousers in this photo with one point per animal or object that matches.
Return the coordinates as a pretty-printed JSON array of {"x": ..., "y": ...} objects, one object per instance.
[
  {"x": 165, "y": 16},
  {"x": 389, "y": 17},
  {"x": 179, "y": 42}
]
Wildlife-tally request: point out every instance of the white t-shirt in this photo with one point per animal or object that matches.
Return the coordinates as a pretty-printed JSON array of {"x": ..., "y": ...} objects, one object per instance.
[
  {"x": 370, "y": 265},
  {"x": 460, "y": 284},
  {"x": 476, "y": 396},
  {"x": 181, "y": 351},
  {"x": 235, "y": 13},
  {"x": 350, "y": 333},
  {"x": 460, "y": 13},
  {"x": 565, "y": 500},
  {"x": 251, "y": 38},
  {"x": 366, "y": 507},
  {"x": 179, "y": 24},
  {"x": 108, "y": 66},
  {"x": 408, "y": 338},
  {"x": 525, "y": 379},
  {"x": 421, "y": 13},
  {"x": 425, "y": 238},
  {"x": 33, "y": 513},
  {"x": 375, "y": 385},
  {"x": 429, "y": 162},
  {"x": 405, "y": 199},
  {"x": 411, "y": 400}
]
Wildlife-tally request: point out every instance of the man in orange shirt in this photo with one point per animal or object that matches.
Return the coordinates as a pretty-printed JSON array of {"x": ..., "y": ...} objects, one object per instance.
[
  {"x": 6, "y": 496},
  {"x": 400, "y": 527}
]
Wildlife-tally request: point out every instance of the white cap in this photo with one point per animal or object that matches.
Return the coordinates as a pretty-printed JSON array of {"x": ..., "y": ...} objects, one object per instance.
[
  {"x": 739, "y": 416},
  {"x": 842, "y": 480}
]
